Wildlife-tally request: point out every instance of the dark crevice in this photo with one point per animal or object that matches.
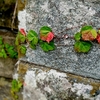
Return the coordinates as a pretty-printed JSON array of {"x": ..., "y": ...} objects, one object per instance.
[{"x": 15, "y": 31}]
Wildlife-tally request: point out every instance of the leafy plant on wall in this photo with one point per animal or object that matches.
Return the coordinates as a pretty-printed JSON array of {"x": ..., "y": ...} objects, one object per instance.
[
  {"x": 7, "y": 50},
  {"x": 44, "y": 39},
  {"x": 84, "y": 39},
  {"x": 16, "y": 85},
  {"x": 20, "y": 43}
]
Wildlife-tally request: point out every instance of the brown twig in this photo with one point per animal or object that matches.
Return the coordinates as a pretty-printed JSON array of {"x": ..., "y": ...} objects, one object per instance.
[
  {"x": 14, "y": 14},
  {"x": 67, "y": 29}
]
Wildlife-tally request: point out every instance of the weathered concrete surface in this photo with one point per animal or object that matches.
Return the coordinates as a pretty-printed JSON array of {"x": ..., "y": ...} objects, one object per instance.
[
  {"x": 42, "y": 83},
  {"x": 5, "y": 89},
  {"x": 7, "y": 65},
  {"x": 59, "y": 15}
]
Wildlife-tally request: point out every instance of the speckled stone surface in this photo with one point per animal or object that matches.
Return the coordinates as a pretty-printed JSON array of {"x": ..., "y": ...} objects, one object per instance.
[
  {"x": 42, "y": 83},
  {"x": 59, "y": 15}
]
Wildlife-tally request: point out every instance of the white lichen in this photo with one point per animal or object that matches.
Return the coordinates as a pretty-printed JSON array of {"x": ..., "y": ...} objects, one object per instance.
[
  {"x": 22, "y": 19},
  {"x": 45, "y": 6},
  {"x": 81, "y": 89}
]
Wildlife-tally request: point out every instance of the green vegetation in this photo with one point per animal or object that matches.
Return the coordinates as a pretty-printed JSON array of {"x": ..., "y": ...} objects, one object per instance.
[
  {"x": 15, "y": 88},
  {"x": 84, "y": 39},
  {"x": 7, "y": 50}
]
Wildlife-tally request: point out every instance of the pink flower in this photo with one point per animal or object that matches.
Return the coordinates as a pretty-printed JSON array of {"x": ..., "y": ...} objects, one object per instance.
[
  {"x": 98, "y": 38},
  {"x": 22, "y": 31}
]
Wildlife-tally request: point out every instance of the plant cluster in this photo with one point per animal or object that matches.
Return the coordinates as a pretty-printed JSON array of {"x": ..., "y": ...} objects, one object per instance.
[
  {"x": 7, "y": 50},
  {"x": 15, "y": 88},
  {"x": 44, "y": 39},
  {"x": 85, "y": 37}
]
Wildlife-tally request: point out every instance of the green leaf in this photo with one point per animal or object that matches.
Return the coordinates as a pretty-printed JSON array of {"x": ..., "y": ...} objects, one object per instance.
[
  {"x": 13, "y": 54},
  {"x": 77, "y": 36},
  {"x": 89, "y": 35},
  {"x": 1, "y": 46},
  {"x": 94, "y": 33},
  {"x": 23, "y": 49},
  {"x": 10, "y": 51},
  {"x": 87, "y": 27},
  {"x": 16, "y": 85},
  {"x": 14, "y": 89},
  {"x": 99, "y": 31},
  {"x": 1, "y": 40},
  {"x": 47, "y": 46},
  {"x": 82, "y": 46},
  {"x": 45, "y": 30},
  {"x": 35, "y": 41},
  {"x": 32, "y": 35},
  {"x": 1, "y": 54},
  {"x": 16, "y": 40},
  {"x": 4, "y": 53},
  {"x": 32, "y": 45},
  {"x": 6, "y": 45},
  {"x": 19, "y": 39}
]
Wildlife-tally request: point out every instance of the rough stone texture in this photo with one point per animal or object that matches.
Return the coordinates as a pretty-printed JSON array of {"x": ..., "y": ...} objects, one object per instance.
[
  {"x": 22, "y": 17},
  {"x": 59, "y": 15},
  {"x": 7, "y": 65},
  {"x": 5, "y": 87},
  {"x": 41, "y": 83}
]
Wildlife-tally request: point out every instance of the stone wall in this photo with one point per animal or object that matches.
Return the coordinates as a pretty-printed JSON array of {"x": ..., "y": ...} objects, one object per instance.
[
  {"x": 60, "y": 15},
  {"x": 7, "y": 64},
  {"x": 46, "y": 75},
  {"x": 42, "y": 83}
]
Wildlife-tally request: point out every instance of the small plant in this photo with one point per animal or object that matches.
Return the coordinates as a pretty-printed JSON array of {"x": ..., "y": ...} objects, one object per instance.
[
  {"x": 44, "y": 39},
  {"x": 7, "y": 50},
  {"x": 15, "y": 88},
  {"x": 84, "y": 39},
  {"x": 19, "y": 42},
  {"x": 32, "y": 38}
]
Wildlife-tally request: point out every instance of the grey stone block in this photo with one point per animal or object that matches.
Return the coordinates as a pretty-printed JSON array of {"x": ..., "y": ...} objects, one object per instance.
[{"x": 59, "y": 15}]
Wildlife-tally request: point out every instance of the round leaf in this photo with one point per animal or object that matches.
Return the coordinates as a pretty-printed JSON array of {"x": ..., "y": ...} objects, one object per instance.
[
  {"x": 45, "y": 29},
  {"x": 32, "y": 35},
  {"x": 77, "y": 36},
  {"x": 87, "y": 27},
  {"x": 47, "y": 46},
  {"x": 89, "y": 35},
  {"x": 82, "y": 46}
]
